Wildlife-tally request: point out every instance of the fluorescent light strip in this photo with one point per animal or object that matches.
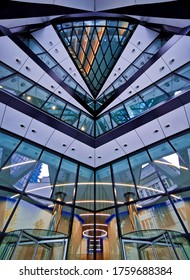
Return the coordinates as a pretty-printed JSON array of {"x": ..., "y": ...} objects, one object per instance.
[
  {"x": 18, "y": 164},
  {"x": 170, "y": 164},
  {"x": 102, "y": 225}
]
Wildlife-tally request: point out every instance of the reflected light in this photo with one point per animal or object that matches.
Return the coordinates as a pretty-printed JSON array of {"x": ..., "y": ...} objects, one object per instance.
[
  {"x": 103, "y": 233},
  {"x": 18, "y": 164},
  {"x": 170, "y": 164}
]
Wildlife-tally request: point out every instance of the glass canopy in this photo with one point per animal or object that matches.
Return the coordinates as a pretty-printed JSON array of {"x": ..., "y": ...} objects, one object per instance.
[{"x": 95, "y": 46}]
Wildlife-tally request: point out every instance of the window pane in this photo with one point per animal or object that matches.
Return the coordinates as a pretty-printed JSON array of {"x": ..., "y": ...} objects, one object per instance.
[
  {"x": 16, "y": 84},
  {"x": 36, "y": 96},
  {"x": 54, "y": 106}
]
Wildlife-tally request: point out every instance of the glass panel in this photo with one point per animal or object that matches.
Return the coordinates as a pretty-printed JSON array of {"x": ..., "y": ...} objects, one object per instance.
[
  {"x": 18, "y": 168},
  {"x": 153, "y": 96},
  {"x": 124, "y": 185},
  {"x": 60, "y": 72},
  {"x": 184, "y": 71},
  {"x": 131, "y": 70},
  {"x": 173, "y": 170},
  {"x": 86, "y": 124},
  {"x": 85, "y": 188},
  {"x": 135, "y": 106},
  {"x": 119, "y": 115},
  {"x": 7, "y": 204},
  {"x": 16, "y": 84},
  {"x": 104, "y": 188},
  {"x": 36, "y": 96},
  {"x": 47, "y": 59},
  {"x": 70, "y": 115},
  {"x": 78, "y": 246},
  {"x": 5, "y": 71},
  {"x": 43, "y": 177},
  {"x": 7, "y": 146},
  {"x": 51, "y": 217},
  {"x": 103, "y": 124},
  {"x": 66, "y": 180},
  {"x": 174, "y": 84},
  {"x": 69, "y": 81},
  {"x": 146, "y": 178},
  {"x": 54, "y": 106}
]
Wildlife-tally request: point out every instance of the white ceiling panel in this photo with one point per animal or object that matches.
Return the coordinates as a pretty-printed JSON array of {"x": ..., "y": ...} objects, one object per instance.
[
  {"x": 82, "y": 4},
  {"x": 158, "y": 70},
  {"x": 15, "y": 121},
  {"x": 150, "y": 132},
  {"x": 68, "y": 65},
  {"x": 62, "y": 93},
  {"x": 47, "y": 37},
  {"x": 127, "y": 93},
  {"x": 39, "y": 132},
  {"x": 49, "y": 83},
  {"x": 59, "y": 52},
  {"x": 130, "y": 142},
  {"x": 131, "y": 52},
  {"x": 179, "y": 54},
  {"x": 59, "y": 142},
  {"x": 82, "y": 152},
  {"x": 174, "y": 121},
  {"x": 142, "y": 37},
  {"x": 108, "y": 152},
  {"x": 140, "y": 83},
  {"x": 121, "y": 65},
  {"x": 32, "y": 70},
  {"x": 11, "y": 54},
  {"x": 2, "y": 110}
]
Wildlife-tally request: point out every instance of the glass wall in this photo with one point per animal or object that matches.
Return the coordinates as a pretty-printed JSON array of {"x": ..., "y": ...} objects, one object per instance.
[{"x": 104, "y": 213}]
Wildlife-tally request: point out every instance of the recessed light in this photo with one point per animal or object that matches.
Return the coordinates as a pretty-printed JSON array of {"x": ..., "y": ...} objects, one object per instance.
[
  {"x": 90, "y": 157},
  {"x": 99, "y": 157},
  {"x": 18, "y": 60},
  {"x": 53, "y": 107},
  {"x": 156, "y": 131},
  {"x": 133, "y": 50},
  {"x": 116, "y": 149},
  {"x": 83, "y": 128},
  {"x": 28, "y": 97},
  {"x": 59, "y": 91},
  {"x": 56, "y": 50},
  {"x": 52, "y": 86},
  {"x": 22, "y": 125},
  {"x": 162, "y": 68},
  {"x": 51, "y": 43},
  {"x": 64, "y": 145},
  {"x": 125, "y": 145},
  {"x": 168, "y": 125},
  {"x": 27, "y": 68},
  {"x": 73, "y": 149},
  {"x": 33, "y": 131}
]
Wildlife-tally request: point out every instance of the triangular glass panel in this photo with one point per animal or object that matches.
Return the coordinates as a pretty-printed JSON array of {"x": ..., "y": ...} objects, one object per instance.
[{"x": 95, "y": 45}]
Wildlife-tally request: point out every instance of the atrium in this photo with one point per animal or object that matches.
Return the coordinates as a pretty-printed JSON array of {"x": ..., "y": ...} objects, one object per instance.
[{"x": 94, "y": 130}]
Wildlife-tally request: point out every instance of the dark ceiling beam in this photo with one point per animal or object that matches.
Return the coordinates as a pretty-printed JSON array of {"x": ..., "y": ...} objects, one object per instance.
[
  {"x": 15, "y": 10},
  {"x": 172, "y": 9}
]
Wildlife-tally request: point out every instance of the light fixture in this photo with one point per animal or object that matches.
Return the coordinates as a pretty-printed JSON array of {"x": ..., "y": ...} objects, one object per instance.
[
  {"x": 102, "y": 232},
  {"x": 83, "y": 128},
  {"x": 28, "y": 97},
  {"x": 53, "y": 107}
]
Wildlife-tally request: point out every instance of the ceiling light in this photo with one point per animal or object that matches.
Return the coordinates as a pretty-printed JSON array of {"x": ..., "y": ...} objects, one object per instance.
[
  {"x": 83, "y": 128},
  {"x": 28, "y": 97},
  {"x": 53, "y": 107}
]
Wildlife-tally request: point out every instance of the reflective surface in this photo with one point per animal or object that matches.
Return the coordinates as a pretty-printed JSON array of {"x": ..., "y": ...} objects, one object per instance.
[{"x": 97, "y": 209}]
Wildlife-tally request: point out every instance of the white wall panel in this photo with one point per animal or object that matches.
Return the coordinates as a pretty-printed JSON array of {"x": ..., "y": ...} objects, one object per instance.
[
  {"x": 31, "y": 70},
  {"x": 59, "y": 142},
  {"x": 108, "y": 152},
  {"x": 150, "y": 132},
  {"x": 59, "y": 52},
  {"x": 179, "y": 53},
  {"x": 131, "y": 52},
  {"x": 47, "y": 37},
  {"x": 174, "y": 121},
  {"x": 158, "y": 70},
  {"x": 39, "y": 132},
  {"x": 15, "y": 121},
  {"x": 11, "y": 54},
  {"x": 140, "y": 83},
  {"x": 130, "y": 142},
  {"x": 142, "y": 37},
  {"x": 49, "y": 83},
  {"x": 81, "y": 152}
]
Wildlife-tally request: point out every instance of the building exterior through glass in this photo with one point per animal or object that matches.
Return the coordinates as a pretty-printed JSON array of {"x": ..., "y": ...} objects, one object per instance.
[{"x": 94, "y": 132}]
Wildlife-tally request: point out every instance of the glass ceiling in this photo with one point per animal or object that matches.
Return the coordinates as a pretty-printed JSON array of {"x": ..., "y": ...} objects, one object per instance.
[{"x": 95, "y": 45}]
